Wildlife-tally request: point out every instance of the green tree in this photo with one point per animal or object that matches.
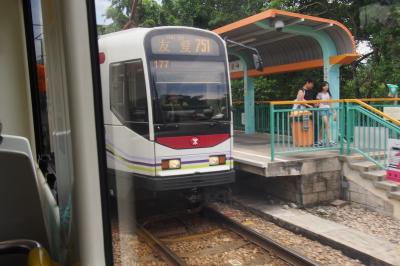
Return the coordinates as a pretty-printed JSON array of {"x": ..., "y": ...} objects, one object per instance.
[
  {"x": 366, "y": 77},
  {"x": 371, "y": 72},
  {"x": 208, "y": 14},
  {"x": 147, "y": 14}
]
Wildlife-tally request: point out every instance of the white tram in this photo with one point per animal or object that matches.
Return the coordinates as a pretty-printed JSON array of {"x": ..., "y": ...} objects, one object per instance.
[{"x": 167, "y": 107}]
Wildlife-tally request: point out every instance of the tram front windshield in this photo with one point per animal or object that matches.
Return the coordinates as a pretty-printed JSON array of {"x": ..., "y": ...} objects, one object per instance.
[{"x": 190, "y": 91}]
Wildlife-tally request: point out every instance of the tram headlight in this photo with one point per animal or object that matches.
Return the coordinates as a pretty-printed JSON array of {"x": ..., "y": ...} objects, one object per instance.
[
  {"x": 170, "y": 164},
  {"x": 217, "y": 160}
]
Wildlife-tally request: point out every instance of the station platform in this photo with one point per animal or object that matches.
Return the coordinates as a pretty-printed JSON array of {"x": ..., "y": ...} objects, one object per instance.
[{"x": 252, "y": 153}]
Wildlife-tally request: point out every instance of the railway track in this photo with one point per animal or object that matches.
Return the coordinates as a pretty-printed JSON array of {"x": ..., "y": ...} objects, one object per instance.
[{"x": 246, "y": 237}]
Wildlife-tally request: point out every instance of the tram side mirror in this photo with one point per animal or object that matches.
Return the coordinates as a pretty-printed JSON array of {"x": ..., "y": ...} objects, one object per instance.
[
  {"x": 258, "y": 62},
  {"x": 257, "y": 59}
]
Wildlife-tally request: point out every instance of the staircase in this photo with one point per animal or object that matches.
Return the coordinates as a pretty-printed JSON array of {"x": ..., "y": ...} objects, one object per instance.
[{"x": 368, "y": 186}]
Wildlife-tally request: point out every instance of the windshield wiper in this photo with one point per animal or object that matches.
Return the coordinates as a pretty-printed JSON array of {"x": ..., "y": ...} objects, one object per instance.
[
  {"x": 216, "y": 122},
  {"x": 169, "y": 125}
]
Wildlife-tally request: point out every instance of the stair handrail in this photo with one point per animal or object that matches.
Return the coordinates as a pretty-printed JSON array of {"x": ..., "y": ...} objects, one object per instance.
[
  {"x": 372, "y": 122},
  {"x": 374, "y": 110}
]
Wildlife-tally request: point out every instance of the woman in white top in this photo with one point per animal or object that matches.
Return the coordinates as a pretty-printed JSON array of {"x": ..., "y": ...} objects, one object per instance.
[{"x": 325, "y": 94}]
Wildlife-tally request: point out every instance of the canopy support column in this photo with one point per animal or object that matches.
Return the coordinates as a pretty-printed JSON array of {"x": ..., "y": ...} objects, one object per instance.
[
  {"x": 332, "y": 75},
  {"x": 249, "y": 113}
]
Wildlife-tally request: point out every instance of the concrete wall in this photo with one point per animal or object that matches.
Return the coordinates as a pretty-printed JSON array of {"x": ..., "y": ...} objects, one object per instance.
[
  {"x": 15, "y": 107},
  {"x": 320, "y": 187},
  {"x": 318, "y": 181},
  {"x": 306, "y": 190},
  {"x": 360, "y": 195},
  {"x": 362, "y": 191}
]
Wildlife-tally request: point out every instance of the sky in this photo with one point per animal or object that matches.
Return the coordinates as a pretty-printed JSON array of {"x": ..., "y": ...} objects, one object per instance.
[
  {"x": 101, "y": 7},
  {"x": 37, "y": 27},
  {"x": 363, "y": 47}
]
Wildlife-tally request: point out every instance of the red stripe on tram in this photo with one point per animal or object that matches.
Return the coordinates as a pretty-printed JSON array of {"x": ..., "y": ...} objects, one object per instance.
[{"x": 193, "y": 142}]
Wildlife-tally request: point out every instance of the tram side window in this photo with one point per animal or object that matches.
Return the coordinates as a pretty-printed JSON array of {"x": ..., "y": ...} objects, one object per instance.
[
  {"x": 128, "y": 95},
  {"x": 117, "y": 90},
  {"x": 136, "y": 88}
]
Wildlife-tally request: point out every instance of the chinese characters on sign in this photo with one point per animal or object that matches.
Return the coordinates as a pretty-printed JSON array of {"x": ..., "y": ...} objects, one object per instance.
[
  {"x": 235, "y": 66},
  {"x": 184, "y": 44},
  {"x": 164, "y": 46}
]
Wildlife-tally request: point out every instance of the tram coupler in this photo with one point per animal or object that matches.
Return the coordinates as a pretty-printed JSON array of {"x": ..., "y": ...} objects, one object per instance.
[
  {"x": 218, "y": 194},
  {"x": 193, "y": 196}
]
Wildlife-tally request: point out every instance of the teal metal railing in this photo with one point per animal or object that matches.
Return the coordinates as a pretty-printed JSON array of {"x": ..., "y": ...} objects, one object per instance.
[
  {"x": 370, "y": 135},
  {"x": 305, "y": 130},
  {"x": 261, "y": 119},
  {"x": 238, "y": 110},
  {"x": 262, "y": 116},
  {"x": 347, "y": 126}
]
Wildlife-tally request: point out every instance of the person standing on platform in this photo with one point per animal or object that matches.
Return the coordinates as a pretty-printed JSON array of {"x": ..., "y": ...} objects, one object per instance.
[
  {"x": 307, "y": 93},
  {"x": 308, "y": 89},
  {"x": 325, "y": 114}
]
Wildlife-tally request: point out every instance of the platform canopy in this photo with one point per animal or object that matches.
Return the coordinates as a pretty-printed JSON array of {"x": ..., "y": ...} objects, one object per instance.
[
  {"x": 300, "y": 44},
  {"x": 287, "y": 42}
]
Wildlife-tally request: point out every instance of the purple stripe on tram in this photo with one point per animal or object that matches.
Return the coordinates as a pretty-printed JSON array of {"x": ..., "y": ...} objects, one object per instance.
[
  {"x": 158, "y": 164},
  {"x": 128, "y": 156},
  {"x": 134, "y": 162}
]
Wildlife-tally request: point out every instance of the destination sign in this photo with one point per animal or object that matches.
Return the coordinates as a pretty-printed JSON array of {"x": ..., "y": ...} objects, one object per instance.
[{"x": 184, "y": 44}]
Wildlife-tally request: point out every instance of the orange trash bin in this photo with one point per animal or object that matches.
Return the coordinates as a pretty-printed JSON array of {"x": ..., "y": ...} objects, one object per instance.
[{"x": 302, "y": 128}]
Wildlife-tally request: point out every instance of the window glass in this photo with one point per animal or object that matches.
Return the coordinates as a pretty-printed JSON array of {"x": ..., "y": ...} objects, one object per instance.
[
  {"x": 117, "y": 72},
  {"x": 128, "y": 91},
  {"x": 44, "y": 150},
  {"x": 190, "y": 91},
  {"x": 136, "y": 87},
  {"x": 51, "y": 123}
]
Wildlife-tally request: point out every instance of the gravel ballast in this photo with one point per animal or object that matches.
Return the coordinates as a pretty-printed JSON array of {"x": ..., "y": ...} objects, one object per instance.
[
  {"x": 362, "y": 219},
  {"x": 314, "y": 250},
  {"x": 129, "y": 250}
]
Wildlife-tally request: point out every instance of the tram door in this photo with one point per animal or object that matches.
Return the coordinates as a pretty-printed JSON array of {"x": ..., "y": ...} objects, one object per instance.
[{"x": 129, "y": 149}]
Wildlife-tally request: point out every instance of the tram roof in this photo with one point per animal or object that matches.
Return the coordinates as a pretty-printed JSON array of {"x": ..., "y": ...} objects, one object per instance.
[{"x": 298, "y": 46}]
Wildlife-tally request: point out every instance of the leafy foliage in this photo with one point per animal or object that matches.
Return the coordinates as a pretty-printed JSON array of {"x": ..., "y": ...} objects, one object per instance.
[
  {"x": 148, "y": 14},
  {"x": 364, "y": 78}
]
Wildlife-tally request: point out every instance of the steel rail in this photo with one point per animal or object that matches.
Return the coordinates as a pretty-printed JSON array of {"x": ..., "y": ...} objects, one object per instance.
[
  {"x": 168, "y": 255},
  {"x": 284, "y": 253}
]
